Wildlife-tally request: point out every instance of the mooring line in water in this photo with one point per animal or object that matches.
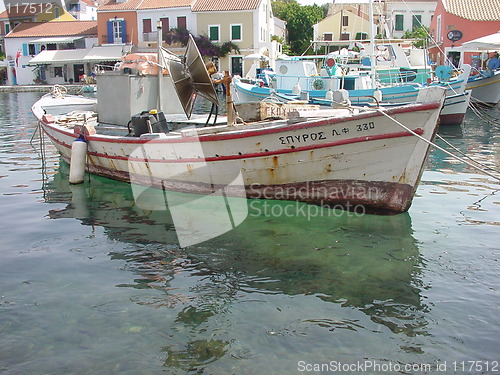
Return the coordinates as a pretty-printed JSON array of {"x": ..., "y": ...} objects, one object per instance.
[
  {"x": 475, "y": 106},
  {"x": 34, "y": 133},
  {"x": 438, "y": 147},
  {"x": 486, "y": 167}
]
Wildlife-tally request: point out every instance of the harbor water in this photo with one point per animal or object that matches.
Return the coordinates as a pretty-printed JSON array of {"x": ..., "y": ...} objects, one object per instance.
[{"x": 91, "y": 282}]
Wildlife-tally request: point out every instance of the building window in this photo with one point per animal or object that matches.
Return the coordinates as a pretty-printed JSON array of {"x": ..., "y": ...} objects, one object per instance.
[
  {"x": 237, "y": 65},
  {"x": 328, "y": 37},
  {"x": 146, "y": 25},
  {"x": 7, "y": 27},
  {"x": 344, "y": 36},
  {"x": 117, "y": 32},
  {"x": 416, "y": 22},
  {"x": 345, "y": 20},
  {"x": 58, "y": 71},
  {"x": 399, "y": 22},
  {"x": 182, "y": 23},
  {"x": 361, "y": 36},
  {"x": 236, "y": 32},
  {"x": 57, "y": 12},
  {"x": 165, "y": 24},
  {"x": 165, "y": 27},
  {"x": 213, "y": 33},
  {"x": 438, "y": 37}
]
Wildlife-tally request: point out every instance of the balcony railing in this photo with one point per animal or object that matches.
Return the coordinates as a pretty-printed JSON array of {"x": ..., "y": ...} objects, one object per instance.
[{"x": 150, "y": 37}]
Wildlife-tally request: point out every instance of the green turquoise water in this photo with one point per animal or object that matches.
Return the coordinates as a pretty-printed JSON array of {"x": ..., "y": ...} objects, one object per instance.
[{"x": 91, "y": 283}]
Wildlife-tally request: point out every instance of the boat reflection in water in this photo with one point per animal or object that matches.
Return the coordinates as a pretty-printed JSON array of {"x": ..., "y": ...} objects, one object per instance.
[{"x": 370, "y": 263}]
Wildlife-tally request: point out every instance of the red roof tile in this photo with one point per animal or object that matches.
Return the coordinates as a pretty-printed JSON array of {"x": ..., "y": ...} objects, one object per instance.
[
  {"x": 477, "y": 10},
  {"x": 115, "y": 5},
  {"x": 61, "y": 28},
  {"x": 154, "y": 4},
  {"x": 225, "y": 5}
]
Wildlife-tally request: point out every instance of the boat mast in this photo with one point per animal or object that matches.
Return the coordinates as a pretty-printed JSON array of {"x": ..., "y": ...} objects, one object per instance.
[
  {"x": 160, "y": 64},
  {"x": 372, "y": 42}
]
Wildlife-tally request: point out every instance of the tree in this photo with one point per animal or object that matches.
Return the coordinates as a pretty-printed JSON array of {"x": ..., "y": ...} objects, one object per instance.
[
  {"x": 300, "y": 20},
  {"x": 422, "y": 34},
  {"x": 204, "y": 44}
]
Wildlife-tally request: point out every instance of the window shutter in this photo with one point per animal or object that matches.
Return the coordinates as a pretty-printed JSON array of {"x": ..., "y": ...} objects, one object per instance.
[
  {"x": 25, "y": 49},
  {"x": 124, "y": 31},
  {"x": 110, "y": 31}
]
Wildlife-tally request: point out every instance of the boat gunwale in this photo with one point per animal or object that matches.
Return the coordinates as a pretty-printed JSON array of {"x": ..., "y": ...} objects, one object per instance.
[{"x": 246, "y": 133}]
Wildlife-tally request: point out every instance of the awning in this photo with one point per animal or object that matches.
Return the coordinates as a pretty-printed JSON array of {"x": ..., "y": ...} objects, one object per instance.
[
  {"x": 488, "y": 42},
  {"x": 59, "y": 56},
  {"x": 106, "y": 53},
  {"x": 88, "y": 55},
  {"x": 57, "y": 40}
]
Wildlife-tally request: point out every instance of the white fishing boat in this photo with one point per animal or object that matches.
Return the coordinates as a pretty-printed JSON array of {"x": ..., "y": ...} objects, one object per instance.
[
  {"x": 299, "y": 79},
  {"x": 361, "y": 159},
  {"x": 485, "y": 85}
]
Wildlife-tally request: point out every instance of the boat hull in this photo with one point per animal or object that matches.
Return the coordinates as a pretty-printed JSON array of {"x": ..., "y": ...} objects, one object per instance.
[
  {"x": 359, "y": 161},
  {"x": 454, "y": 109},
  {"x": 486, "y": 89}
]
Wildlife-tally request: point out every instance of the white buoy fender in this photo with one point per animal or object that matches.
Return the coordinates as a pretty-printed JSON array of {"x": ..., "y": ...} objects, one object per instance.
[
  {"x": 296, "y": 89},
  {"x": 78, "y": 160},
  {"x": 329, "y": 95}
]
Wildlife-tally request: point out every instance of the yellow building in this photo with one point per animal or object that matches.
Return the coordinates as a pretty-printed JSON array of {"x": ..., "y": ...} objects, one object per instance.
[{"x": 346, "y": 24}]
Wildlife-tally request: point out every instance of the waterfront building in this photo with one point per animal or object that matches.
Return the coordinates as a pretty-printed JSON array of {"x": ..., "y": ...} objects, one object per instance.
[
  {"x": 458, "y": 21},
  {"x": 30, "y": 12}
]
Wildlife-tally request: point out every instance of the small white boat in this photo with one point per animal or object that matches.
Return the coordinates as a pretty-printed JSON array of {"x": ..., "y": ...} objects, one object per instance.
[
  {"x": 361, "y": 159},
  {"x": 486, "y": 88}
]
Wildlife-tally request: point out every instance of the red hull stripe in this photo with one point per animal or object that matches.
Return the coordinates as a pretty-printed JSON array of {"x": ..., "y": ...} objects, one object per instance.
[
  {"x": 418, "y": 131},
  {"x": 451, "y": 119},
  {"x": 257, "y": 132}
]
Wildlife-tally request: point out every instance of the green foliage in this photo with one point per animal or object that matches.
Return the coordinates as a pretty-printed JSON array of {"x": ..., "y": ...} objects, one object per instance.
[
  {"x": 227, "y": 47},
  {"x": 204, "y": 44},
  {"x": 284, "y": 46},
  {"x": 422, "y": 33},
  {"x": 300, "y": 20}
]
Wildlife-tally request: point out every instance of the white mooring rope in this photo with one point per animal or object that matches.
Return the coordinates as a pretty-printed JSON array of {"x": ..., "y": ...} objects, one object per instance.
[{"x": 438, "y": 147}]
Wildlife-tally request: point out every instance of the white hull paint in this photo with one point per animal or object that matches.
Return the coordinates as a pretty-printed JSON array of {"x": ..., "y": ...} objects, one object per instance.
[
  {"x": 346, "y": 158},
  {"x": 454, "y": 109},
  {"x": 487, "y": 89}
]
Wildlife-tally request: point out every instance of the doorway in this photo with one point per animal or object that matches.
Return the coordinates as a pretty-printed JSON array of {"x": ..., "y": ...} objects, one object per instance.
[{"x": 78, "y": 72}]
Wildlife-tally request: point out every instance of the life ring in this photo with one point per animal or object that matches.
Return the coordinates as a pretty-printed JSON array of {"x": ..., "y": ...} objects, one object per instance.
[{"x": 318, "y": 84}]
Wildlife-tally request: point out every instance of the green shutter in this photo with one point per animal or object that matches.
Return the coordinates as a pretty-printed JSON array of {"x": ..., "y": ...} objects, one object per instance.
[
  {"x": 214, "y": 33},
  {"x": 236, "y": 32},
  {"x": 416, "y": 22},
  {"x": 399, "y": 22}
]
